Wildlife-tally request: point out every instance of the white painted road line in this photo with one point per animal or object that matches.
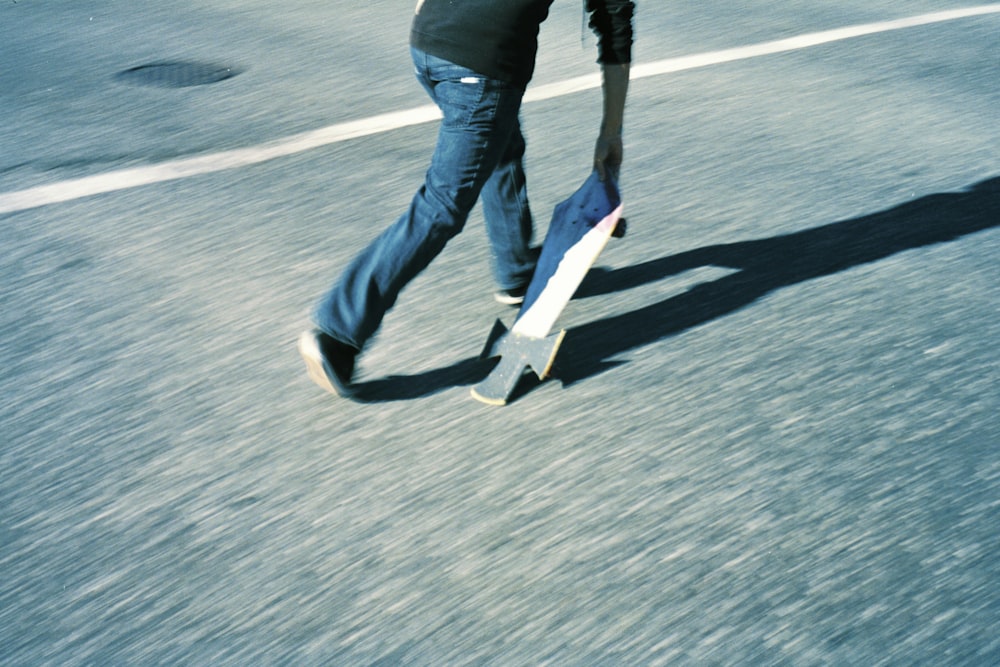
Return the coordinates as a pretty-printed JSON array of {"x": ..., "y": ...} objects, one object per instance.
[{"x": 68, "y": 190}]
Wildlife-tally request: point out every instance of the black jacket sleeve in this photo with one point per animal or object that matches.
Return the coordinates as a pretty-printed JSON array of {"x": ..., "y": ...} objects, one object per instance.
[{"x": 611, "y": 20}]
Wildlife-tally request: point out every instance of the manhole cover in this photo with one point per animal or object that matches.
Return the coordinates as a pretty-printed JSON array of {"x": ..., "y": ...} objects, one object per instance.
[{"x": 176, "y": 74}]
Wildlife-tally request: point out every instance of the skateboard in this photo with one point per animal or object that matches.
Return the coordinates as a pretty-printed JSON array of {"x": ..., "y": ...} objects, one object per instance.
[{"x": 578, "y": 232}]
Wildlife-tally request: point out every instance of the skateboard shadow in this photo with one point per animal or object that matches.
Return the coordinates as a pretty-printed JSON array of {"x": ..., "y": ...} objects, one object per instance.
[{"x": 762, "y": 266}]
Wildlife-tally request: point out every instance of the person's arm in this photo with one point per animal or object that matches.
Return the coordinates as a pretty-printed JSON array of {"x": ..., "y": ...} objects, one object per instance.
[
  {"x": 609, "y": 150},
  {"x": 612, "y": 21}
]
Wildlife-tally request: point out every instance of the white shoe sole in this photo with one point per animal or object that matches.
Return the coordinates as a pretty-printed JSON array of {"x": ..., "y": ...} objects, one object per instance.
[{"x": 315, "y": 364}]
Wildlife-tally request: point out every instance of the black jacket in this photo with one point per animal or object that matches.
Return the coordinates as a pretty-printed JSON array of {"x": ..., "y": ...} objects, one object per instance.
[{"x": 499, "y": 38}]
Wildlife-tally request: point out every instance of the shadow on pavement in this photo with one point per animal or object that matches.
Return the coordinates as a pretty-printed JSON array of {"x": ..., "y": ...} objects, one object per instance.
[
  {"x": 763, "y": 266},
  {"x": 405, "y": 387}
]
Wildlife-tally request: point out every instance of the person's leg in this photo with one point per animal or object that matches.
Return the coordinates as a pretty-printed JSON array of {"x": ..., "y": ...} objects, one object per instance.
[
  {"x": 479, "y": 117},
  {"x": 508, "y": 217}
]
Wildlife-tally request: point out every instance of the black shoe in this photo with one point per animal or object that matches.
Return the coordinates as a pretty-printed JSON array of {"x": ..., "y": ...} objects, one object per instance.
[
  {"x": 330, "y": 363},
  {"x": 511, "y": 297}
]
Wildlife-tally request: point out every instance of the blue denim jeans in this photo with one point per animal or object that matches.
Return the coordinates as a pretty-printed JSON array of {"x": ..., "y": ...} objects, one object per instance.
[{"x": 479, "y": 152}]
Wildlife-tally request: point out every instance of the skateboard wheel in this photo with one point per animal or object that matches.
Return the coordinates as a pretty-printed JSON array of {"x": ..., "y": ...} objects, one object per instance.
[{"x": 620, "y": 228}]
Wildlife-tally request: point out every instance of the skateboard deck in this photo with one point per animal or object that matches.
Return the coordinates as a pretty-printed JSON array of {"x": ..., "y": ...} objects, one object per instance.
[{"x": 578, "y": 232}]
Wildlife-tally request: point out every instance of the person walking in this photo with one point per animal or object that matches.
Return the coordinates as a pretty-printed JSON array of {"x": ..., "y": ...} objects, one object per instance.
[{"x": 474, "y": 58}]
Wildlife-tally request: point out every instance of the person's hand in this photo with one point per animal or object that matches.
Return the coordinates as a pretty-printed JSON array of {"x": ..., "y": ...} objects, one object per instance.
[{"x": 608, "y": 153}]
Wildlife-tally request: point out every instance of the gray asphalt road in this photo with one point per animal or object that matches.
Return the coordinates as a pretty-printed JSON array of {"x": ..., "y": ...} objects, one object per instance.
[{"x": 772, "y": 439}]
